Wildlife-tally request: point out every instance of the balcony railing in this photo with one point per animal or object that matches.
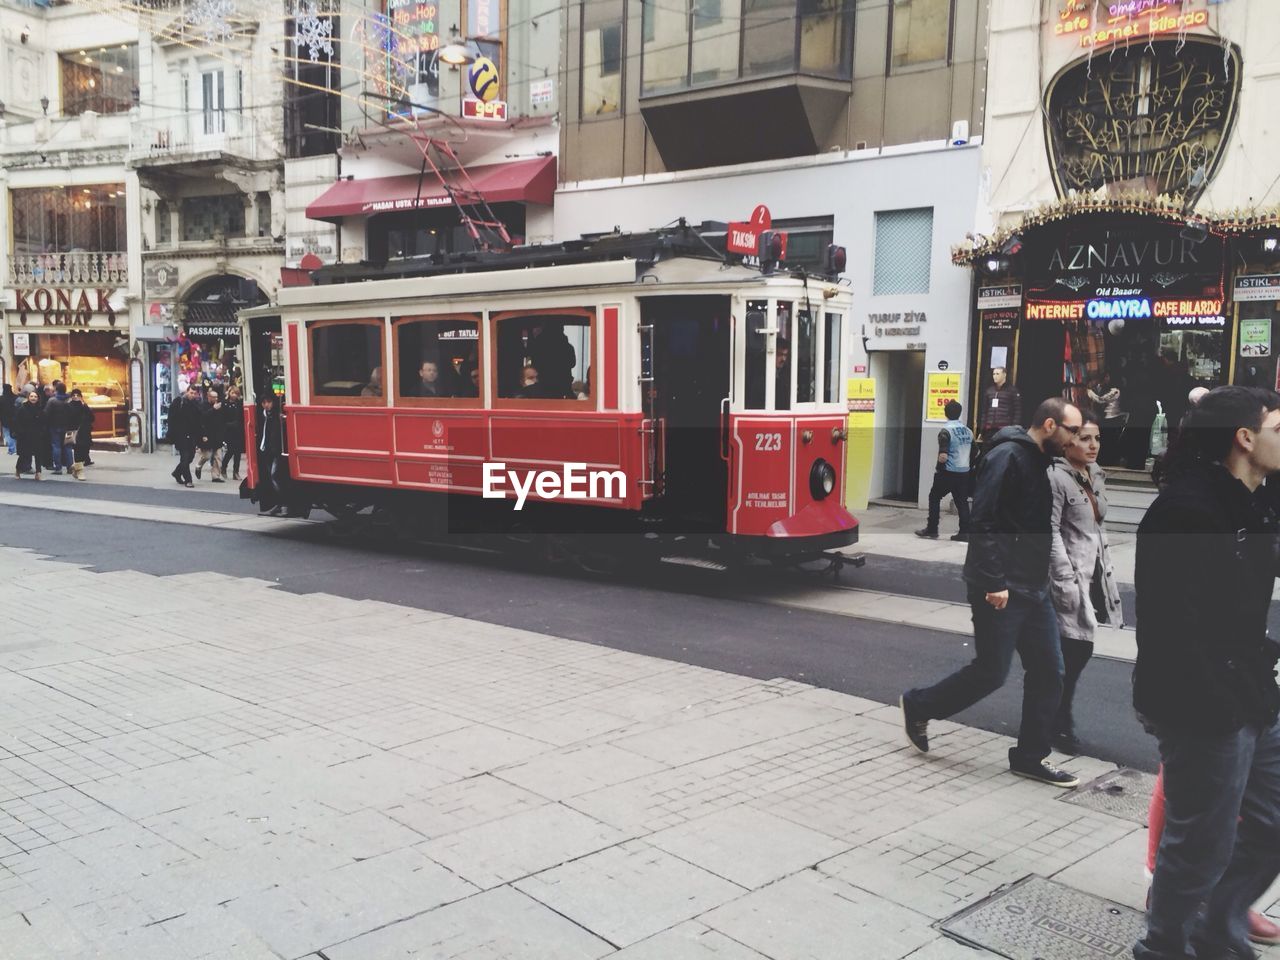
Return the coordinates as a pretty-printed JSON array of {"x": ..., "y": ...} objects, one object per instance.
[
  {"x": 191, "y": 134},
  {"x": 80, "y": 269}
]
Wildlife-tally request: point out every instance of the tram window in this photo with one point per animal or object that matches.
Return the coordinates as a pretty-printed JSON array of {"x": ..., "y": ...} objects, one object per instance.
[
  {"x": 782, "y": 359},
  {"x": 831, "y": 358},
  {"x": 437, "y": 357},
  {"x": 806, "y": 358},
  {"x": 544, "y": 356},
  {"x": 756, "y": 322},
  {"x": 346, "y": 360}
]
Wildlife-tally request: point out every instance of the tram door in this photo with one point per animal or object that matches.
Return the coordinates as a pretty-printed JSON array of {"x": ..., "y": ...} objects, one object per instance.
[{"x": 687, "y": 339}]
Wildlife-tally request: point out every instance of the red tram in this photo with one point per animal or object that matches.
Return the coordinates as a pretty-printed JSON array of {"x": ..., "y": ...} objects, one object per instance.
[{"x": 711, "y": 393}]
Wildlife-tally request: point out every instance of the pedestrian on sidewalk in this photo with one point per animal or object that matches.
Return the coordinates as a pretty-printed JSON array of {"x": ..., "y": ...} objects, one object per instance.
[
  {"x": 233, "y": 417},
  {"x": 84, "y": 433},
  {"x": 1204, "y": 680},
  {"x": 8, "y": 404},
  {"x": 30, "y": 433},
  {"x": 184, "y": 432},
  {"x": 1082, "y": 578},
  {"x": 951, "y": 476},
  {"x": 60, "y": 420},
  {"x": 1007, "y": 573},
  {"x": 213, "y": 429}
]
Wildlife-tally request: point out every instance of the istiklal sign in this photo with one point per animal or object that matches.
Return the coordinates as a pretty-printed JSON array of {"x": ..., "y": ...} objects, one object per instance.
[{"x": 65, "y": 308}]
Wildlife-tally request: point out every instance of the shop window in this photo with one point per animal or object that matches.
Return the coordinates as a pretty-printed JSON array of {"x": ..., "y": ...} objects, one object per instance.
[
  {"x": 205, "y": 217},
  {"x": 438, "y": 358},
  {"x": 544, "y": 355},
  {"x": 602, "y": 56},
  {"x": 904, "y": 249},
  {"x": 921, "y": 32},
  {"x": 85, "y": 360},
  {"x": 346, "y": 362},
  {"x": 50, "y": 220},
  {"x": 101, "y": 79},
  {"x": 833, "y": 371}
]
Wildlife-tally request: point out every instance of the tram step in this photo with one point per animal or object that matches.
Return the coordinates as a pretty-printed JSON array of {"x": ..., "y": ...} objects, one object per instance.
[{"x": 696, "y": 562}]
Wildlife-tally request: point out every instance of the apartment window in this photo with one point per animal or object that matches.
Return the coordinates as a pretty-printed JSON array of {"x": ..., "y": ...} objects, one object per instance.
[
  {"x": 204, "y": 217},
  {"x": 714, "y": 51},
  {"x": 666, "y": 47},
  {"x": 164, "y": 225},
  {"x": 264, "y": 214},
  {"x": 68, "y": 219},
  {"x": 213, "y": 102},
  {"x": 921, "y": 32},
  {"x": 904, "y": 250},
  {"x": 101, "y": 79},
  {"x": 768, "y": 37},
  {"x": 602, "y": 56},
  {"x": 312, "y": 103}
]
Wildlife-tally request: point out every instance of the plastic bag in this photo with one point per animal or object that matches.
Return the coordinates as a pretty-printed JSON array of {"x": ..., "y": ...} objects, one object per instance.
[{"x": 1159, "y": 432}]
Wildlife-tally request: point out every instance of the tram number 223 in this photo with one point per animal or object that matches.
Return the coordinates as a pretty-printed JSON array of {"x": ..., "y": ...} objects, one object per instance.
[{"x": 768, "y": 442}]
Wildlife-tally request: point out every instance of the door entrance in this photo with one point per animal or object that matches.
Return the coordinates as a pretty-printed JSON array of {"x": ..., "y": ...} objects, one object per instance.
[
  {"x": 690, "y": 366},
  {"x": 902, "y": 373}
]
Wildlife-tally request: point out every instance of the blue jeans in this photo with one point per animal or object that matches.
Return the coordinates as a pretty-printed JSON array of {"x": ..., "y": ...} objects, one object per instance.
[
  {"x": 63, "y": 455},
  {"x": 1031, "y": 628},
  {"x": 1221, "y": 841},
  {"x": 9, "y": 442}
]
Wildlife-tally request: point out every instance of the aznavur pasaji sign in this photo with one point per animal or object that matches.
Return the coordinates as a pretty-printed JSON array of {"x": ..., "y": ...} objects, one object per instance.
[{"x": 65, "y": 308}]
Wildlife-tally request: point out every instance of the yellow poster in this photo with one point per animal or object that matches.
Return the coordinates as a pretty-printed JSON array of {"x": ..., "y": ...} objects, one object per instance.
[
  {"x": 861, "y": 443},
  {"x": 943, "y": 388}
]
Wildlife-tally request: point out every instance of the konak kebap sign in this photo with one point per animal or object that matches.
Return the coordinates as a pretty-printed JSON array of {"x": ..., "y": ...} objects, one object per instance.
[{"x": 65, "y": 308}]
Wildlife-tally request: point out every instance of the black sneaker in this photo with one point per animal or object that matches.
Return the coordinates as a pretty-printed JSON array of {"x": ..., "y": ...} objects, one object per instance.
[
  {"x": 927, "y": 534},
  {"x": 917, "y": 730},
  {"x": 1065, "y": 741},
  {"x": 1045, "y": 772},
  {"x": 960, "y": 538}
]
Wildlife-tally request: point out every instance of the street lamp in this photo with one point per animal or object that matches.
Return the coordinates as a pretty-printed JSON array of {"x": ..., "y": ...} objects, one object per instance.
[{"x": 457, "y": 51}]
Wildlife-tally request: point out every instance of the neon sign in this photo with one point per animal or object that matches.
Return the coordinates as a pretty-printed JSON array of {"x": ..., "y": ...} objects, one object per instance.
[
  {"x": 1130, "y": 308},
  {"x": 1127, "y": 20}
]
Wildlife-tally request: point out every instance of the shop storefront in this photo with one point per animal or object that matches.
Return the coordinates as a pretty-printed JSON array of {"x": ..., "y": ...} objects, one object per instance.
[
  {"x": 1123, "y": 313},
  {"x": 73, "y": 336}
]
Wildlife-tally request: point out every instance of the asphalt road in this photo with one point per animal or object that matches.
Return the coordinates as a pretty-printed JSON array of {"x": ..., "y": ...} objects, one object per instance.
[{"x": 692, "y": 616}]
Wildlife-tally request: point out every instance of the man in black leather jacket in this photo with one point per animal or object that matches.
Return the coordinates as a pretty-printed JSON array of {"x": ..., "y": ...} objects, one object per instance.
[
  {"x": 1007, "y": 573},
  {"x": 1204, "y": 681}
]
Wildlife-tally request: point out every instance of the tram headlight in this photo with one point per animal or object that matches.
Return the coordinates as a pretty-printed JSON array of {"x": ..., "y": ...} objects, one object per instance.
[{"x": 822, "y": 479}]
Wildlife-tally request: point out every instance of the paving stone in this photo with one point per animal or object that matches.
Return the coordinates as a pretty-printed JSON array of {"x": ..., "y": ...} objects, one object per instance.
[
  {"x": 465, "y": 803},
  {"x": 504, "y": 850},
  {"x": 688, "y": 941},
  {"x": 475, "y": 748},
  {"x": 748, "y": 846},
  {"x": 576, "y": 770},
  {"x": 499, "y": 924},
  {"x": 808, "y": 917},
  {"x": 629, "y": 892}
]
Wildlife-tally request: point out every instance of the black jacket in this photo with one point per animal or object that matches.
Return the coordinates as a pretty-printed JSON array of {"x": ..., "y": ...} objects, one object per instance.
[
  {"x": 233, "y": 425},
  {"x": 1010, "y": 528},
  {"x": 8, "y": 400},
  {"x": 59, "y": 413},
  {"x": 269, "y": 431},
  {"x": 1206, "y": 565},
  {"x": 184, "y": 421},
  {"x": 213, "y": 426},
  {"x": 29, "y": 423}
]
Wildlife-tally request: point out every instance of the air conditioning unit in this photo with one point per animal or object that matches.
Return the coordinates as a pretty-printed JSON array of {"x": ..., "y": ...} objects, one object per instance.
[{"x": 960, "y": 133}]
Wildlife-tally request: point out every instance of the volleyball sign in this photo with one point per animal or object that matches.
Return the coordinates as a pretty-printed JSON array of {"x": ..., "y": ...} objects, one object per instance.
[{"x": 483, "y": 79}]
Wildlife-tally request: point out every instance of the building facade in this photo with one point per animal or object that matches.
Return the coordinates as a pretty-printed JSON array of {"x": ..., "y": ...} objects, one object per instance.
[
  {"x": 69, "y": 233},
  {"x": 854, "y": 123},
  {"x": 1132, "y": 247}
]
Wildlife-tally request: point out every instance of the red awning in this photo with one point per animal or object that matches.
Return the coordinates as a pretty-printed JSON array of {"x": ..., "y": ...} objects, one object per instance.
[{"x": 528, "y": 181}]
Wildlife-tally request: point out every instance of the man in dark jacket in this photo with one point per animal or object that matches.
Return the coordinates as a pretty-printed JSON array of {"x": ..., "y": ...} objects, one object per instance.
[
  {"x": 270, "y": 447},
  {"x": 30, "y": 432},
  {"x": 185, "y": 415},
  {"x": 1001, "y": 405},
  {"x": 61, "y": 419},
  {"x": 8, "y": 402},
  {"x": 1007, "y": 573},
  {"x": 1204, "y": 680}
]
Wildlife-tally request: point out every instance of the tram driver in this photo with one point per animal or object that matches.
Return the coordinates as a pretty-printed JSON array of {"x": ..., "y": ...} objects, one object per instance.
[{"x": 782, "y": 376}]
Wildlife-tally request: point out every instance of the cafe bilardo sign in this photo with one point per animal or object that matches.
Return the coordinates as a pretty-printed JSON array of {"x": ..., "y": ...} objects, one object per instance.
[{"x": 64, "y": 308}]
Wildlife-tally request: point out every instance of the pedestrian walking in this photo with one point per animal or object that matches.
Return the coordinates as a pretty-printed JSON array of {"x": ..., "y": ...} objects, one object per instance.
[
  {"x": 8, "y": 404},
  {"x": 60, "y": 421},
  {"x": 1082, "y": 579},
  {"x": 951, "y": 476},
  {"x": 213, "y": 429},
  {"x": 233, "y": 411},
  {"x": 1007, "y": 573},
  {"x": 1204, "y": 680},
  {"x": 184, "y": 432},
  {"x": 30, "y": 432},
  {"x": 83, "y": 433}
]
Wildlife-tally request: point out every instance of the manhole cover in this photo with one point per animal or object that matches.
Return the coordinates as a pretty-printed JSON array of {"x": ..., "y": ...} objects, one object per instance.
[
  {"x": 1038, "y": 919},
  {"x": 1122, "y": 793}
]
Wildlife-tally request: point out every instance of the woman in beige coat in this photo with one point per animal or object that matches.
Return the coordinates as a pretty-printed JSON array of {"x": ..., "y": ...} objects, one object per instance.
[{"x": 1082, "y": 579}]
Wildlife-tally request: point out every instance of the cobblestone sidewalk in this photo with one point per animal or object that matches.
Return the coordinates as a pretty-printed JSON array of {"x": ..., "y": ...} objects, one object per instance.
[{"x": 353, "y": 780}]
